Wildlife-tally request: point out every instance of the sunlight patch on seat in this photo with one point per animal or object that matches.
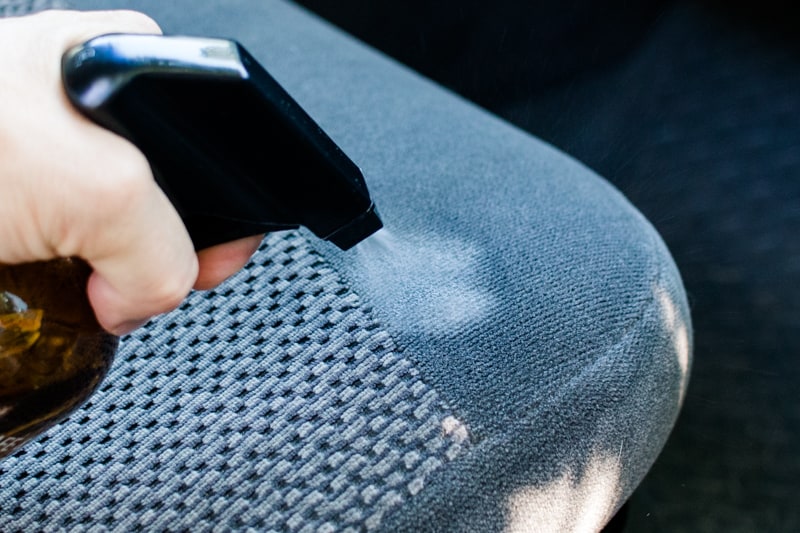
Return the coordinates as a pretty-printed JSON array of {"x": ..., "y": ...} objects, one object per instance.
[
  {"x": 680, "y": 336},
  {"x": 572, "y": 503}
]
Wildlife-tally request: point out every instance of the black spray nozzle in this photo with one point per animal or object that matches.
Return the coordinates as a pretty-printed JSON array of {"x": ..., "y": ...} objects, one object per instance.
[{"x": 235, "y": 154}]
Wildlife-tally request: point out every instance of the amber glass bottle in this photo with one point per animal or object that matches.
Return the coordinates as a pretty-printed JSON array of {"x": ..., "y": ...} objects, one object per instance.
[{"x": 53, "y": 353}]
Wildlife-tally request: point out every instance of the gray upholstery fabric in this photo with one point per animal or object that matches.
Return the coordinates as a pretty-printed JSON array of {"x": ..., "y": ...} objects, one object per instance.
[{"x": 510, "y": 353}]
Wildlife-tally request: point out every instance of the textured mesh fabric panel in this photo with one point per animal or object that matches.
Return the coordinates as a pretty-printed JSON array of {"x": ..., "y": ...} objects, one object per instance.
[{"x": 302, "y": 417}]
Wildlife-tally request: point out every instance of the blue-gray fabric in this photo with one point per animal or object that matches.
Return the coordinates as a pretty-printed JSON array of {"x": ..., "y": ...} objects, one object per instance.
[{"x": 517, "y": 323}]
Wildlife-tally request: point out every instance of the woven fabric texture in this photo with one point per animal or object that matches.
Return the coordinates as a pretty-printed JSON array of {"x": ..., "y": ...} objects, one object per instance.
[{"x": 302, "y": 416}]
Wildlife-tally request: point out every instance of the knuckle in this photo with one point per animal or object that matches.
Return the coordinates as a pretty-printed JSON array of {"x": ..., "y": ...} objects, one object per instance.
[
  {"x": 96, "y": 199},
  {"x": 122, "y": 185},
  {"x": 70, "y": 27},
  {"x": 136, "y": 21},
  {"x": 169, "y": 297},
  {"x": 170, "y": 291}
]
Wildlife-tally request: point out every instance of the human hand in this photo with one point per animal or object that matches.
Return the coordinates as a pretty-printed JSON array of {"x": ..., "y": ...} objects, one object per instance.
[{"x": 69, "y": 188}]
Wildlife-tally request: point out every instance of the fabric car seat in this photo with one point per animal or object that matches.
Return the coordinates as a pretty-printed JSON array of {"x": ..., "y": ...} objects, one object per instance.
[{"x": 509, "y": 355}]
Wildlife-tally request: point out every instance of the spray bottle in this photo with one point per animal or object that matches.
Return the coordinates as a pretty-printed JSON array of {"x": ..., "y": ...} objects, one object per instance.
[{"x": 236, "y": 155}]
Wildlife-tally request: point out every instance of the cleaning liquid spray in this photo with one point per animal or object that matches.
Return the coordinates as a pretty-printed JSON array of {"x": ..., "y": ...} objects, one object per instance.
[{"x": 236, "y": 155}]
